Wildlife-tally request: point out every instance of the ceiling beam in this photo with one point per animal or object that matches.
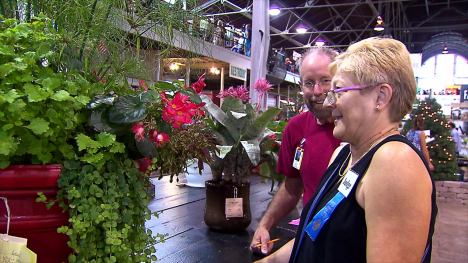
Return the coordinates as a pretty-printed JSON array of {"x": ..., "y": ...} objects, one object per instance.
[
  {"x": 273, "y": 29},
  {"x": 307, "y": 24}
]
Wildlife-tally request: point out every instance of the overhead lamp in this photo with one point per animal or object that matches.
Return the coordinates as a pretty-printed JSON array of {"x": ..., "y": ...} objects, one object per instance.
[
  {"x": 320, "y": 42},
  {"x": 173, "y": 66},
  {"x": 301, "y": 29},
  {"x": 380, "y": 24},
  {"x": 274, "y": 9},
  {"x": 214, "y": 70},
  {"x": 445, "y": 51}
]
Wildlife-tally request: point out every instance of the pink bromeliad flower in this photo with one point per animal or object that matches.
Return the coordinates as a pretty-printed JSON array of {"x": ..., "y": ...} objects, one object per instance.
[
  {"x": 139, "y": 133},
  {"x": 261, "y": 86},
  {"x": 240, "y": 92}
]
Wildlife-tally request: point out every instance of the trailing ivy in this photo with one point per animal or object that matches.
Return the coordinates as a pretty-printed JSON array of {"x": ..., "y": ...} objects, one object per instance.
[{"x": 104, "y": 196}]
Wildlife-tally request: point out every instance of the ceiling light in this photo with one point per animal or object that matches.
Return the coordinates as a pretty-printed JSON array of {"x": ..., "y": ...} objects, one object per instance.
[
  {"x": 173, "y": 66},
  {"x": 274, "y": 11},
  {"x": 445, "y": 51},
  {"x": 320, "y": 42},
  {"x": 301, "y": 29},
  {"x": 380, "y": 24}
]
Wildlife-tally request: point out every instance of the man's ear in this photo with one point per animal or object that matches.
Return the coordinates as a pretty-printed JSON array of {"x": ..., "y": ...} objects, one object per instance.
[{"x": 384, "y": 96}]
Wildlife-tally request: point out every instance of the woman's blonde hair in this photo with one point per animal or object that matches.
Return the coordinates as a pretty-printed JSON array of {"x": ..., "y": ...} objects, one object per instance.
[{"x": 381, "y": 60}]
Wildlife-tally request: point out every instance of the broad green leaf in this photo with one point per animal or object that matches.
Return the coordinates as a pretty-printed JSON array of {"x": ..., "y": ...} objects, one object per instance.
[
  {"x": 223, "y": 150},
  {"x": 11, "y": 96},
  {"x": 6, "y": 69},
  {"x": 51, "y": 84},
  {"x": 85, "y": 142},
  {"x": 6, "y": 127},
  {"x": 164, "y": 86},
  {"x": 17, "y": 106},
  {"x": 84, "y": 100},
  {"x": 7, "y": 144},
  {"x": 221, "y": 116},
  {"x": 128, "y": 109},
  {"x": 99, "y": 102},
  {"x": 92, "y": 158},
  {"x": 146, "y": 148},
  {"x": 106, "y": 139},
  {"x": 61, "y": 95},
  {"x": 150, "y": 96},
  {"x": 7, "y": 50},
  {"x": 35, "y": 93},
  {"x": 38, "y": 126},
  {"x": 258, "y": 126}
]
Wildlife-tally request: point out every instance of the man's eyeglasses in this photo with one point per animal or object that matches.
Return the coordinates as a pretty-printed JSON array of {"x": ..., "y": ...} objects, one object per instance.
[
  {"x": 311, "y": 84},
  {"x": 332, "y": 96}
]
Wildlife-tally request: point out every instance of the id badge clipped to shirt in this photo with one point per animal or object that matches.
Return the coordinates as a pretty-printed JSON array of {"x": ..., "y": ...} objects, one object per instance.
[{"x": 298, "y": 155}]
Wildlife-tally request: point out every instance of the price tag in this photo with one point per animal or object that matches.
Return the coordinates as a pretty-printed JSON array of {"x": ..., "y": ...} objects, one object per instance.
[{"x": 234, "y": 207}]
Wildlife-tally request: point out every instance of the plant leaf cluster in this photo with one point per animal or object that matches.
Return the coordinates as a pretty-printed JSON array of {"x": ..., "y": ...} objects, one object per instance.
[{"x": 239, "y": 136}]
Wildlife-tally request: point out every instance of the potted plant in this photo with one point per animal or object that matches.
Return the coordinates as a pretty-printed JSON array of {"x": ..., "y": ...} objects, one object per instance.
[
  {"x": 46, "y": 87},
  {"x": 241, "y": 135}
]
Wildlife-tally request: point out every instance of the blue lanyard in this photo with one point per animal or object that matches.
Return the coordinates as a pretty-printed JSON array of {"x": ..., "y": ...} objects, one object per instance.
[{"x": 312, "y": 208}]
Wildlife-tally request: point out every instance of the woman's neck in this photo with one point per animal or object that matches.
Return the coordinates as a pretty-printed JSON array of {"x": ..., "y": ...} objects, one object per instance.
[{"x": 358, "y": 152}]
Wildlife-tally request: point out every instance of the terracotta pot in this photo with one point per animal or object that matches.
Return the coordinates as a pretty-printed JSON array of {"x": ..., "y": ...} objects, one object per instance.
[
  {"x": 215, "y": 214},
  {"x": 30, "y": 219}
]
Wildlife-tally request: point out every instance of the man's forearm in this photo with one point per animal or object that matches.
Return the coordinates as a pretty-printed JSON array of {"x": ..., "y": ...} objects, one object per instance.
[{"x": 283, "y": 203}]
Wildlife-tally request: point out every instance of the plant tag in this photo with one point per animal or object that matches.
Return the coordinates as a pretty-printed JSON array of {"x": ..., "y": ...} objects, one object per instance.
[{"x": 234, "y": 207}]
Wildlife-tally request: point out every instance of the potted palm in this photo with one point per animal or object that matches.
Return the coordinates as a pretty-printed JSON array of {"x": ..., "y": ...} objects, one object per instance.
[{"x": 242, "y": 140}]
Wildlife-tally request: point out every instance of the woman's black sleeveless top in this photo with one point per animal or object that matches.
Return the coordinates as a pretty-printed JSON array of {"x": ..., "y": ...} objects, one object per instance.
[{"x": 343, "y": 237}]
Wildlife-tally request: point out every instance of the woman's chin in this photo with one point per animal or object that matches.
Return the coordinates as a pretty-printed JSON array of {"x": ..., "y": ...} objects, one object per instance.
[{"x": 338, "y": 131}]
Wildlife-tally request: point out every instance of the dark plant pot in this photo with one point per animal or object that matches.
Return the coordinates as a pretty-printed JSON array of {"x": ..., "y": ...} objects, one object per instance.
[
  {"x": 215, "y": 214},
  {"x": 30, "y": 219}
]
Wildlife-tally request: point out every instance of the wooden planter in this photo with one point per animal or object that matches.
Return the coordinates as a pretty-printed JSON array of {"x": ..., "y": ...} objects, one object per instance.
[
  {"x": 30, "y": 219},
  {"x": 215, "y": 214}
]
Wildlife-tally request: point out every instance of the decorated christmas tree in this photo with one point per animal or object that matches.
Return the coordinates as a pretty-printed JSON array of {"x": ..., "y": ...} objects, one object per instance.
[{"x": 442, "y": 148}]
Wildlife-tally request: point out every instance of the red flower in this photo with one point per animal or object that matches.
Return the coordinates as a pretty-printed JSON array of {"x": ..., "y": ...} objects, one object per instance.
[
  {"x": 163, "y": 96},
  {"x": 176, "y": 125},
  {"x": 199, "y": 85},
  {"x": 273, "y": 136},
  {"x": 142, "y": 85},
  {"x": 139, "y": 133},
  {"x": 158, "y": 138}
]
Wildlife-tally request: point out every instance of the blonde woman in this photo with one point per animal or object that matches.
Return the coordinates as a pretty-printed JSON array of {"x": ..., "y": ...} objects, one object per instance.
[{"x": 376, "y": 201}]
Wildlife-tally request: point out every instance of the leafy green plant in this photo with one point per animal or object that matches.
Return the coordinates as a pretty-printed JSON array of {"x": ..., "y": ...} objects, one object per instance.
[
  {"x": 108, "y": 207},
  {"x": 241, "y": 136},
  {"x": 40, "y": 107},
  {"x": 44, "y": 119}
]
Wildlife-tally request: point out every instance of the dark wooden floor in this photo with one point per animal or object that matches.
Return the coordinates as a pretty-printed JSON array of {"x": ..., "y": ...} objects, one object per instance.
[{"x": 190, "y": 240}]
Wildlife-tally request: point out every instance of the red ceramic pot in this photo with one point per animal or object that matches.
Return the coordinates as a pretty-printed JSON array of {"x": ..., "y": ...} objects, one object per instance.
[{"x": 30, "y": 219}]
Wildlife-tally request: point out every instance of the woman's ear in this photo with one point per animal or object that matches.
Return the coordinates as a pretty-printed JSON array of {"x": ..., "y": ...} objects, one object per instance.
[{"x": 384, "y": 96}]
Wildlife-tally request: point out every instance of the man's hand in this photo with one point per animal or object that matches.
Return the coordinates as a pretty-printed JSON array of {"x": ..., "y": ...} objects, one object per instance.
[{"x": 261, "y": 236}]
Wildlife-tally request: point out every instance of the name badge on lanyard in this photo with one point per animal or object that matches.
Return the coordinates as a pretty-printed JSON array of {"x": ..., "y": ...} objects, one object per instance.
[
  {"x": 298, "y": 155},
  {"x": 319, "y": 220}
]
